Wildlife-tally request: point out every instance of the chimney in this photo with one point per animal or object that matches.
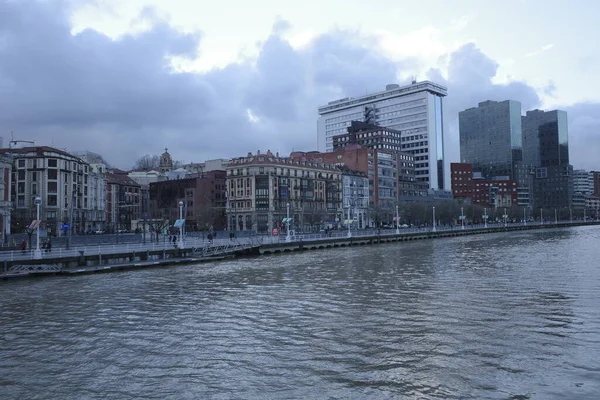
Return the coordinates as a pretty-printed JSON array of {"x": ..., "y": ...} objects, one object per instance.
[{"x": 249, "y": 154}]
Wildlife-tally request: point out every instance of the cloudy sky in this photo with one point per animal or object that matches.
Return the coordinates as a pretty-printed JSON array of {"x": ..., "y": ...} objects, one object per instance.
[{"x": 208, "y": 80}]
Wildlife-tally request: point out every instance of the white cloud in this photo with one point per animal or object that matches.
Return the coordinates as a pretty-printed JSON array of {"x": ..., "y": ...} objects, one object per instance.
[
  {"x": 251, "y": 117},
  {"x": 539, "y": 51}
]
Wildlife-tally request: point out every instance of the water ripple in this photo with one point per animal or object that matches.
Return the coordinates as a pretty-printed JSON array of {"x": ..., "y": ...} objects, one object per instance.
[{"x": 502, "y": 316}]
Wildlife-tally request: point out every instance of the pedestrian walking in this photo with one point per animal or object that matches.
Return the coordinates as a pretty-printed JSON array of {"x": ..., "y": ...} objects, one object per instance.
[{"x": 23, "y": 246}]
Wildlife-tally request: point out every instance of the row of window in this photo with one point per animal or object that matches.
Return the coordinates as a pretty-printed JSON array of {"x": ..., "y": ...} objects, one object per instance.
[{"x": 50, "y": 163}]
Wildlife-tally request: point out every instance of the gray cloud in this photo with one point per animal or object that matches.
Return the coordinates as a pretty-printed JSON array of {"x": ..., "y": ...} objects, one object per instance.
[{"x": 121, "y": 99}]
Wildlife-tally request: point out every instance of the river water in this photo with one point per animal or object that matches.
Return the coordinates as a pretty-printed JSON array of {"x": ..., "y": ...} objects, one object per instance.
[{"x": 498, "y": 316}]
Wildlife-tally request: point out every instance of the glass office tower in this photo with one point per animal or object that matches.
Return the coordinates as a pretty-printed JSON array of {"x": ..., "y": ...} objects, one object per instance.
[{"x": 490, "y": 138}]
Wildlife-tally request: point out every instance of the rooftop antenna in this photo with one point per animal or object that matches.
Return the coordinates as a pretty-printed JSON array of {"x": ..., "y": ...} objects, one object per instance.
[{"x": 414, "y": 79}]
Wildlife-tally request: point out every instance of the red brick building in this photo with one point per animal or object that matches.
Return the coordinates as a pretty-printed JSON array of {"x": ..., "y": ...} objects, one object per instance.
[
  {"x": 204, "y": 200},
  {"x": 485, "y": 192},
  {"x": 380, "y": 166}
]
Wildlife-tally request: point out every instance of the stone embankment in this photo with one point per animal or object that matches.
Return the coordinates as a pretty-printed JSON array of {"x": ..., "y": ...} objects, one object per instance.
[{"x": 119, "y": 261}]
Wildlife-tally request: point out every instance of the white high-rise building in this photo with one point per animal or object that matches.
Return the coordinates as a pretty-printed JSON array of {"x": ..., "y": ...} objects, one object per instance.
[
  {"x": 582, "y": 181},
  {"x": 415, "y": 110}
]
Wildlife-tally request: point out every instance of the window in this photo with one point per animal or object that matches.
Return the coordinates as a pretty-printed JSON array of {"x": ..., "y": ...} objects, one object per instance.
[
  {"x": 21, "y": 187},
  {"x": 34, "y": 176},
  {"x": 21, "y": 175},
  {"x": 21, "y": 165},
  {"x": 52, "y": 200},
  {"x": 52, "y": 174},
  {"x": 52, "y": 187},
  {"x": 52, "y": 163},
  {"x": 34, "y": 188},
  {"x": 51, "y": 215}
]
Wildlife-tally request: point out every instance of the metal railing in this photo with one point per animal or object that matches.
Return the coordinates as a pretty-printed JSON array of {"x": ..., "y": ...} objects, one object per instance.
[{"x": 223, "y": 245}]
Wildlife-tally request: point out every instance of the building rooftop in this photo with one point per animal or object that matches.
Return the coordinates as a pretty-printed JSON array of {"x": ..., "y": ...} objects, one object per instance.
[
  {"x": 120, "y": 179},
  {"x": 295, "y": 159},
  {"x": 39, "y": 150},
  {"x": 391, "y": 91}
]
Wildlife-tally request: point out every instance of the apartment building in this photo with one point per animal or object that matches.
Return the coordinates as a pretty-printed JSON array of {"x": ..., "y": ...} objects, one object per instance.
[
  {"x": 262, "y": 187},
  {"x": 60, "y": 179},
  {"x": 5, "y": 195},
  {"x": 123, "y": 200}
]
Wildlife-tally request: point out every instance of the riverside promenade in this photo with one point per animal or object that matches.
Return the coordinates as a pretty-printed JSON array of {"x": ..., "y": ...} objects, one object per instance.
[{"x": 105, "y": 258}]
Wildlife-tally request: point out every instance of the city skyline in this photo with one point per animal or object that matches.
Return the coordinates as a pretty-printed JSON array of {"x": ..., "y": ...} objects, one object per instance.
[{"x": 65, "y": 88}]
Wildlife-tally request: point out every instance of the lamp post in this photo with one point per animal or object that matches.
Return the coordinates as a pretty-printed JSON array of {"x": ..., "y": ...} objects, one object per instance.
[
  {"x": 485, "y": 217},
  {"x": 584, "y": 216},
  {"x": 397, "y": 222},
  {"x": 288, "y": 238},
  {"x": 462, "y": 218},
  {"x": 555, "y": 217},
  {"x": 434, "y": 229},
  {"x": 181, "y": 228},
  {"x": 524, "y": 216},
  {"x": 38, "y": 253},
  {"x": 145, "y": 199},
  {"x": 70, "y": 228},
  {"x": 348, "y": 221},
  {"x": 570, "y": 214},
  {"x": 505, "y": 216}
]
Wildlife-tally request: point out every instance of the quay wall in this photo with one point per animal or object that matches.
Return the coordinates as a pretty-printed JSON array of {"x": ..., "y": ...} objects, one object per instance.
[{"x": 94, "y": 263}]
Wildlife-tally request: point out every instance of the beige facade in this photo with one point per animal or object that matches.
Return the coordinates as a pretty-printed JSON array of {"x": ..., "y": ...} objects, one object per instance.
[{"x": 261, "y": 186}]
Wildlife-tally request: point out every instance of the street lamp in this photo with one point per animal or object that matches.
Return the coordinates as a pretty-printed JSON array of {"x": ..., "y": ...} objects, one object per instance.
[
  {"x": 433, "y": 230},
  {"x": 505, "y": 216},
  {"x": 462, "y": 218},
  {"x": 542, "y": 216},
  {"x": 570, "y": 214},
  {"x": 181, "y": 227},
  {"x": 485, "y": 217},
  {"x": 555, "y": 216},
  {"x": 348, "y": 222},
  {"x": 288, "y": 238},
  {"x": 38, "y": 253},
  {"x": 524, "y": 216},
  {"x": 397, "y": 222}
]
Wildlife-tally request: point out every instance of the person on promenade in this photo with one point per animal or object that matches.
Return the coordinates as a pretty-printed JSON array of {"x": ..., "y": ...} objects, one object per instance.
[
  {"x": 49, "y": 246},
  {"x": 23, "y": 246}
]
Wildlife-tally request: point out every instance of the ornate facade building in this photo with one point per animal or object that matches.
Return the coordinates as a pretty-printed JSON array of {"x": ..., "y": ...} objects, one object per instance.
[{"x": 261, "y": 187}]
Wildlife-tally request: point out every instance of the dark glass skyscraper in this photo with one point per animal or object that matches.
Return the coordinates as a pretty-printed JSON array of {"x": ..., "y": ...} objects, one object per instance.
[
  {"x": 490, "y": 138},
  {"x": 546, "y": 145}
]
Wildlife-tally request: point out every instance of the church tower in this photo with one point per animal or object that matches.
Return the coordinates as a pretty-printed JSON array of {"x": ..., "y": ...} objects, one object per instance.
[{"x": 166, "y": 163}]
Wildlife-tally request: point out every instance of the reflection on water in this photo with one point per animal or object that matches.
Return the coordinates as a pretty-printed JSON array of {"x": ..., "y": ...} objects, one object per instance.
[{"x": 501, "y": 316}]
